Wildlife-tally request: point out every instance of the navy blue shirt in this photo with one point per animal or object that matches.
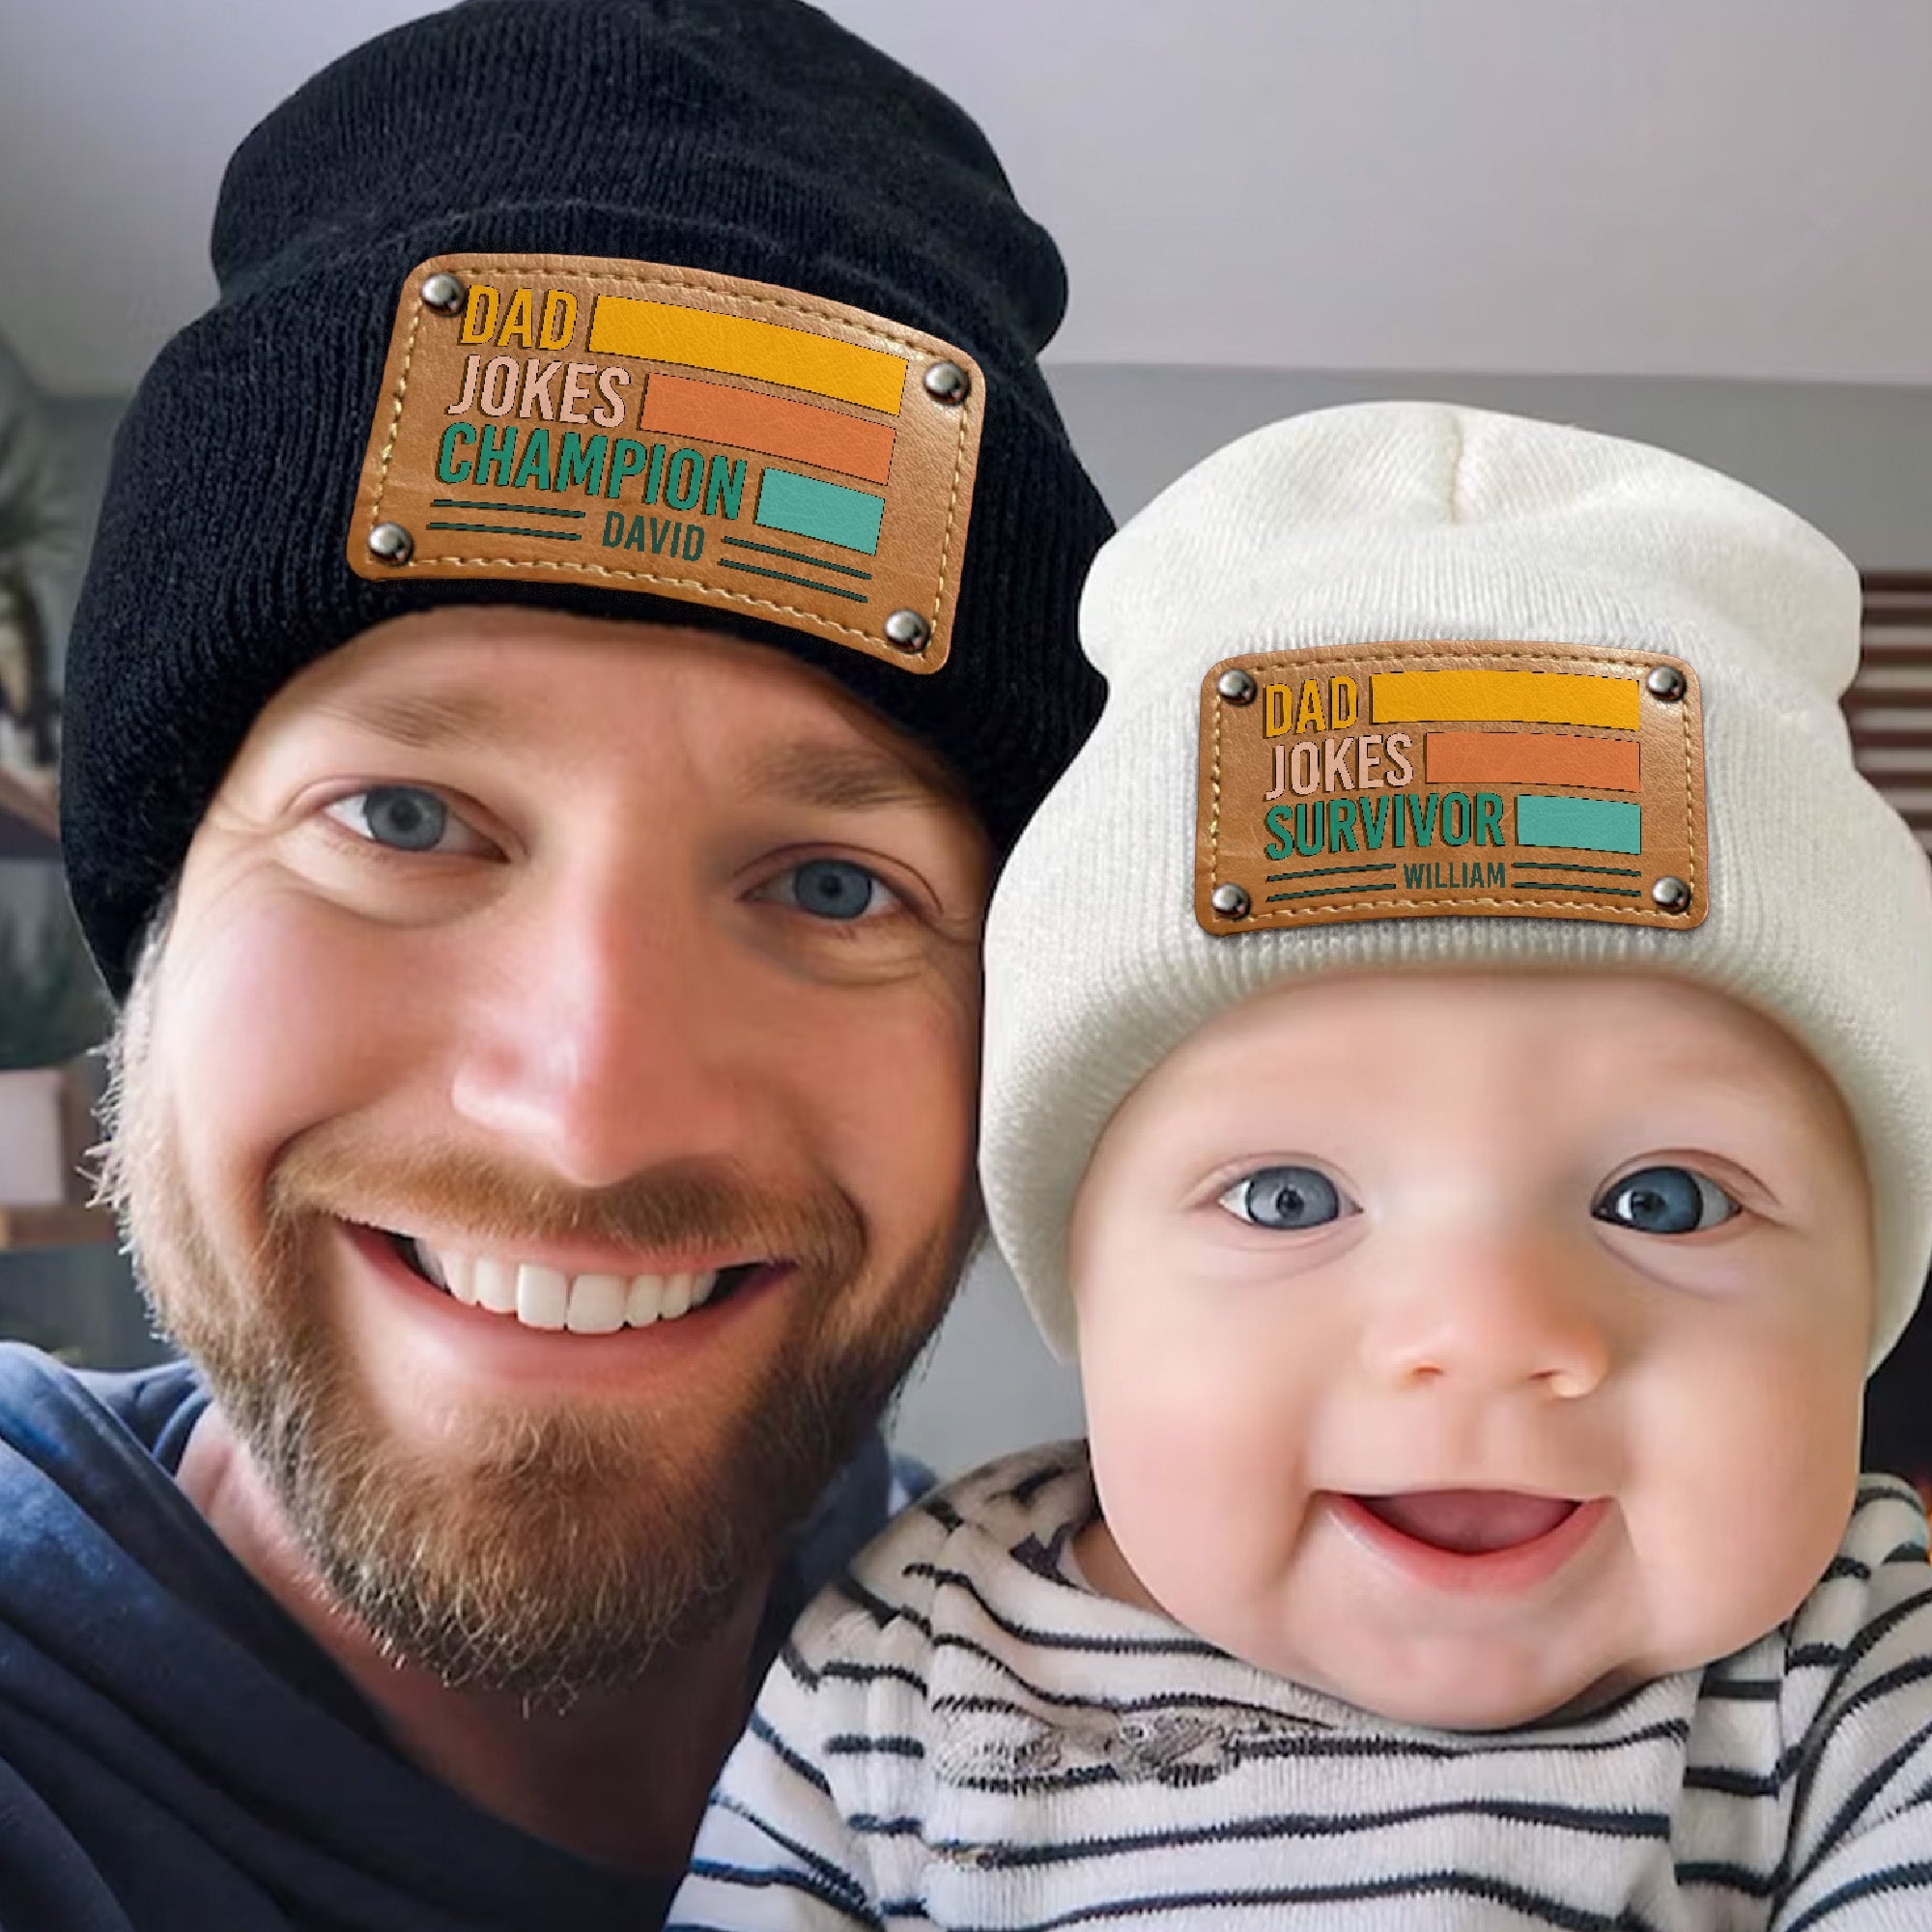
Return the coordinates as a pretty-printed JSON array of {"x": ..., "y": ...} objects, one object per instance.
[{"x": 176, "y": 1752}]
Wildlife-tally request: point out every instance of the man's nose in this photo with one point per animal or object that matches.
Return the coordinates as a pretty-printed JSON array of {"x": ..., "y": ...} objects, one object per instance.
[
  {"x": 1514, "y": 1314},
  {"x": 604, "y": 1031}
]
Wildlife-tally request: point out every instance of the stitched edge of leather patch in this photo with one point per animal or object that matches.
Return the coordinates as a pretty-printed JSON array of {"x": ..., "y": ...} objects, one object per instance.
[
  {"x": 1414, "y": 781},
  {"x": 667, "y": 430}
]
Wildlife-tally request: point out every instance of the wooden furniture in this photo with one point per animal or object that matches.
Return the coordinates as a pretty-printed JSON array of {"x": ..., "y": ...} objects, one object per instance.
[
  {"x": 30, "y": 829},
  {"x": 1889, "y": 703},
  {"x": 29, "y": 821},
  {"x": 67, "y": 1226},
  {"x": 1890, "y": 710},
  {"x": 68, "y": 1223}
]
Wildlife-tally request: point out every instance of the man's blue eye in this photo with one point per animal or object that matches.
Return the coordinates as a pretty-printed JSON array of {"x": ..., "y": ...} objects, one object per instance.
[
  {"x": 1664, "y": 1201},
  {"x": 835, "y": 889},
  {"x": 1284, "y": 1197},
  {"x": 404, "y": 817}
]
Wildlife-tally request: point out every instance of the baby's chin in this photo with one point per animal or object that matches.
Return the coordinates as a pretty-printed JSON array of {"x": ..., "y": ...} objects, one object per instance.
[
  {"x": 1502, "y": 1706},
  {"x": 1496, "y": 1681},
  {"x": 1503, "y": 1692},
  {"x": 1445, "y": 1671}
]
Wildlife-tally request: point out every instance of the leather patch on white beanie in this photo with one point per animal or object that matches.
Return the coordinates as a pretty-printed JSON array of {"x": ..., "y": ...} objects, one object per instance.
[{"x": 1411, "y": 781}]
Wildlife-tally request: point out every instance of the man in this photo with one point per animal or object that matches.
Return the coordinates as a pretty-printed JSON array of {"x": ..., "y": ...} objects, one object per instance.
[{"x": 572, "y": 631}]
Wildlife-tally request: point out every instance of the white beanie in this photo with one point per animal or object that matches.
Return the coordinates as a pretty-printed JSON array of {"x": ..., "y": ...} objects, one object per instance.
[{"x": 1140, "y": 901}]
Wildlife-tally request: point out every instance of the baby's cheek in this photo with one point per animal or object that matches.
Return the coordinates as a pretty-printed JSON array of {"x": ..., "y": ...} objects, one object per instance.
[
  {"x": 1197, "y": 1469},
  {"x": 1761, "y": 1466},
  {"x": 1172, "y": 1396},
  {"x": 1152, "y": 1437}
]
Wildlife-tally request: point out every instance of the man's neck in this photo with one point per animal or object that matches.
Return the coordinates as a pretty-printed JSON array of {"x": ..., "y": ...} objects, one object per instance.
[{"x": 620, "y": 1777}]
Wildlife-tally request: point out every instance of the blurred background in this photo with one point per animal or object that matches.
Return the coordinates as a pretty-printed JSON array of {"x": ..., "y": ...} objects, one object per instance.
[{"x": 1701, "y": 224}]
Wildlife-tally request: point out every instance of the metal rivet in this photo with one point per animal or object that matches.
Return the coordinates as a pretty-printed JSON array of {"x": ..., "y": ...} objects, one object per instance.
[
  {"x": 444, "y": 293},
  {"x": 1236, "y": 687},
  {"x": 1665, "y": 682},
  {"x": 390, "y": 543},
  {"x": 907, "y": 631},
  {"x": 1230, "y": 901},
  {"x": 1672, "y": 893},
  {"x": 948, "y": 382}
]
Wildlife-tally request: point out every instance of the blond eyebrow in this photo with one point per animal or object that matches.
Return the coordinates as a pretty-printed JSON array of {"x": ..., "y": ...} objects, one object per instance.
[
  {"x": 421, "y": 719},
  {"x": 807, "y": 772},
  {"x": 841, "y": 778}
]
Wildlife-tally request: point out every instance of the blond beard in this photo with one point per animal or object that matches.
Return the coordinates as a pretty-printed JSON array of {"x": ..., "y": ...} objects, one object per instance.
[{"x": 558, "y": 1547}]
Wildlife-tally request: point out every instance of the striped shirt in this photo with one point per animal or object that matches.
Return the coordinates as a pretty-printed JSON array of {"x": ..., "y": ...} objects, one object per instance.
[{"x": 959, "y": 1734}]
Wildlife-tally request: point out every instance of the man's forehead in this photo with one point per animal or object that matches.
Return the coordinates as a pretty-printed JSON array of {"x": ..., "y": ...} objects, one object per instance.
[{"x": 495, "y": 680}]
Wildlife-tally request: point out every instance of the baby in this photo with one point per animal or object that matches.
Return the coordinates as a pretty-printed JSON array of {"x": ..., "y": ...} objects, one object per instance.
[{"x": 1460, "y": 1076}]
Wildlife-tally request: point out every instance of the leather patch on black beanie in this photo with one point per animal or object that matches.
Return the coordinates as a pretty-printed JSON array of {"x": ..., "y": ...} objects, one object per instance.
[{"x": 700, "y": 437}]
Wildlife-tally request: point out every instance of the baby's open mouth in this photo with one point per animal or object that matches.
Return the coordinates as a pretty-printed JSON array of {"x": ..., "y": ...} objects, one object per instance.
[{"x": 1470, "y": 1523}]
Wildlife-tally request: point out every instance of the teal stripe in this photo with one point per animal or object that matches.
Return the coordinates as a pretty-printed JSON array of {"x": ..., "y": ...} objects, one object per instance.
[
  {"x": 805, "y": 507},
  {"x": 1582, "y": 824}
]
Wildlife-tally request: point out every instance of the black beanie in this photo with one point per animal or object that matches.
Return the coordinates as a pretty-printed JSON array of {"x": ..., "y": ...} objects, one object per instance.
[{"x": 746, "y": 138}]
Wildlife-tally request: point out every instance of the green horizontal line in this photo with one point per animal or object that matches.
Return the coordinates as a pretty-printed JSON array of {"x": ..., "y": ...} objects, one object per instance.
[
  {"x": 1578, "y": 886},
  {"x": 1326, "y": 892},
  {"x": 516, "y": 509},
  {"x": 1324, "y": 871},
  {"x": 509, "y": 530},
  {"x": 799, "y": 556},
  {"x": 1564, "y": 865},
  {"x": 830, "y": 589}
]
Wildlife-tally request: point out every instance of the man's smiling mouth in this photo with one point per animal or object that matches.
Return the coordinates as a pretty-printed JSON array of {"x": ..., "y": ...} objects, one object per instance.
[{"x": 543, "y": 1297}]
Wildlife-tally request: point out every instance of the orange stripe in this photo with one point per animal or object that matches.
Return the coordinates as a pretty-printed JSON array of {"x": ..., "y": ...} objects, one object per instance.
[
  {"x": 798, "y": 431},
  {"x": 1530, "y": 757}
]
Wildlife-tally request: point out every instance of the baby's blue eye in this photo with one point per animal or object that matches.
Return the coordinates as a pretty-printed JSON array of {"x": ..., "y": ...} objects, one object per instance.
[
  {"x": 404, "y": 817},
  {"x": 835, "y": 889},
  {"x": 1285, "y": 1197},
  {"x": 1664, "y": 1201}
]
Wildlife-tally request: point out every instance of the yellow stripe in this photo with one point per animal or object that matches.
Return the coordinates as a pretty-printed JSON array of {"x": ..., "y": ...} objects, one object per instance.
[
  {"x": 734, "y": 345},
  {"x": 1503, "y": 698}
]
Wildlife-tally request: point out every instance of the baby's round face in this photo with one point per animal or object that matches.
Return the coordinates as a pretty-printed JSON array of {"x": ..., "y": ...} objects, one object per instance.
[{"x": 1473, "y": 1345}]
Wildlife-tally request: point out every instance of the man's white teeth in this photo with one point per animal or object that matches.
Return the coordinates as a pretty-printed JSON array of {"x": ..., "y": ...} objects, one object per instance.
[
  {"x": 543, "y": 1297},
  {"x": 495, "y": 1285},
  {"x": 597, "y": 1303}
]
